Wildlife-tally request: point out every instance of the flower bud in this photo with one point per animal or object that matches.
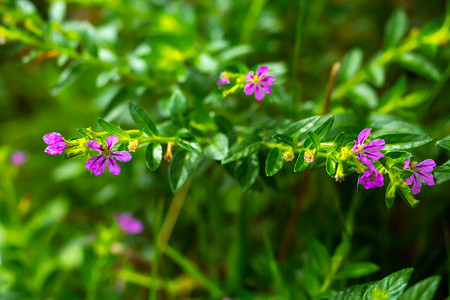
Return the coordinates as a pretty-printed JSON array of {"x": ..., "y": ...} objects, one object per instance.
[
  {"x": 310, "y": 156},
  {"x": 289, "y": 155},
  {"x": 133, "y": 145}
]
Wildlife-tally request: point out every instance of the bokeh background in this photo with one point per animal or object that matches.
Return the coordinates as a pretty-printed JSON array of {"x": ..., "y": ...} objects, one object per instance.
[{"x": 58, "y": 238}]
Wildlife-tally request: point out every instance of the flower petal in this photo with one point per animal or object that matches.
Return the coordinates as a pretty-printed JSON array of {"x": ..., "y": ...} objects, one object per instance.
[
  {"x": 363, "y": 135},
  {"x": 374, "y": 155},
  {"x": 427, "y": 177},
  {"x": 249, "y": 88},
  {"x": 53, "y": 137},
  {"x": 366, "y": 161},
  {"x": 407, "y": 164},
  {"x": 266, "y": 89},
  {"x": 263, "y": 70},
  {"x": 259, "y": 94},
  {"x": 56, "y": 148},
  {"x": 113, "y": 167},
  {"x": 111, "y": 141},
  {"x": 416, "y": 186},
  {"x": 268, "y": 80},
  {"x": 96, "y": 164},
  {"x": 410, "y": 179},
  {"x": 250, "y": 76},
  {"x": 427, "y": 165},
  {"x": 122, "y": 156},
  {"x": 355, "y": 147},
  {"x": 375, "y": 145},
  {"x": 95, "y": 145}
]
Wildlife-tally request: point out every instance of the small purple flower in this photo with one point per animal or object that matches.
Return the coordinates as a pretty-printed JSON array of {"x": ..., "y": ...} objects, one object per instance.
[
  {"x": 422, "y": 170},
  {"x": 128, "y": 224},
  {"x": 97, "y": 164},
  {"x": 259, "y": 84},
  {"x": 368, "y": 151},
  {"x": 55, "y": 142},
  {"x": 371, "y": 178},
  {"x": 224, "y": 79},
  {"x": 18, "y": 158}
]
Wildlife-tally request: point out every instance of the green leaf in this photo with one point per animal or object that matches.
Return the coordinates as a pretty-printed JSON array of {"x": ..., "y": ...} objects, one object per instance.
[
  {"x": 57, "y": 11},
  {"x": 423, "y": 290},
  {"x": 375, "y": 72},
  {"x": 442, "y": 173},
  {"x": 246, "y": 172},
  {"x": 84, "y": 132},
  {"x": 244, "y": 148},
  {"x": 408, "y": 197},
  {"x": 364, "y": 95},
  {"x": 330, "y": 166},
  {"x": 296, "y": 129},
  {"x": 285, "y": 139},
  {"x": 218, "y": 147},
  {"x": 357, "y": 269},
  {"x": 142, "y": 120},
  {"x": 181, "y": 167},
  {"x": 319, "y": 257},
  {"x": 301, "y": 164},
  {"x": 67, "y": 77},
  {"x": 395, "y": 93},
  {"x": 153, "y": 156},
  {"x": 321, "y": 131},
  {"x": 178, "y": 107},
  {"x": 398, "y": 156},
  {"x": 394, "y": 284},
  {"x": 390, "y": 195},
  {"x": 337, "y": 143},
  {"x": 420, "y": 65},
  {"x": 314, "y": 140},
  {"x": 400, "y": 135},
  {"x": 395, "y": 29},
  {"x": 274, "y": 161},
  {"x": 350, "y": 64},
  {"x": 113, "y": 129},
  {"x": 444, "y": 143}
]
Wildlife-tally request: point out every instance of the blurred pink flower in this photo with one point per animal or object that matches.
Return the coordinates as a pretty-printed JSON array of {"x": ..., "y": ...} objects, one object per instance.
[
  {"x": 128, "y": 224},
  {"x": 18, "y": 158}
]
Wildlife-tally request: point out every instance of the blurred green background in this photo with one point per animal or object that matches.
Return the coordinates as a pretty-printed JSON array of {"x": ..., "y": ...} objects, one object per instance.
[{"x": 58, "y": 238}]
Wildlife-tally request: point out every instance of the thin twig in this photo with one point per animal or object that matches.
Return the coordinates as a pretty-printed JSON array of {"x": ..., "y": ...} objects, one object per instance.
[{"x": 330, "y": 87}]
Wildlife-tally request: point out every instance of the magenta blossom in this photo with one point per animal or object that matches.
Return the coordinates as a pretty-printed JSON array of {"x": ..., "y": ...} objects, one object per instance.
[
  {"x": 371, "y": 178},
  {"x": 55, "y": 142},
  {"x": 368, "y": 151},
  {"x": 97, "y": 164},
  {"x": 128, "y": 224},
  {"x": 421, "y": 170},
  {"x": 18, "y": 158},
  {"x": 259, "y": 84},
  {"x": 224, "y": 79}
]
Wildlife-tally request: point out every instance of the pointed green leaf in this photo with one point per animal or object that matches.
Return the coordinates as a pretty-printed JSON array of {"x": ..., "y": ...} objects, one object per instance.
[
  {"x": 393, "y": 285},
  {"x": 181, "y": 167},
  {"x": 274, "y": 161},
  {"x": 337, "y": 143},
  {"x": 296, "y": 129},
  {"x": 246, "y": 172},
  {"x": 244, "y": 148},
  {"x": 142, "y": 120},
  {"x": 444, "y": 143},
  {"x": 218, "y": 148},
  {"x": 330, "y": 166},
  {"x": 113, "y": 129},
  {"x": 395, "y": 29},
  {"x": 420, "y": 65},
  {"x": 178, "y": 107},
  {"x": 423, "y": 290},
  {"x": 285, "y": 139},
  {"x": 364, "y": 95},
  {"x": 301, "y": 164},
  {"x": 153, "y": 156},
  {"x": 357, "y": 269},
  {"x": 350, "y": 64}
]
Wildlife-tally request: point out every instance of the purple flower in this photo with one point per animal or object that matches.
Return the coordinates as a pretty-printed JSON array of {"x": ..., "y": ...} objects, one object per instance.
[
  {"x": 55, "y": 142},
  {"x": 224, "y": 79},
  {"x": 371, "y": 178},
  {"x": 259, "y": 84},
  {"x": 18, "y": 158},
  {"x": 97, "y": 164},
  {"x": 368, "y": 151},
  {"x": 128, "y": 224},
  {"x": 421, "y": 170}
]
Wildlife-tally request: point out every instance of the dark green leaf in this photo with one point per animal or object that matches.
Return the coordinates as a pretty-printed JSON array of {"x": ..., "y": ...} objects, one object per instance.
[
  {"x": 331, "y": 166},
  {"x": 395, "y": 29},
  {"x": 301, "y": 164},
  {"x": 423, "y": 290},
  {"x": 393, "y": 285},
  {"x": 181, "y": 167},
  {"x": 244, "y": 148},
  {"x": 113, "y": 129},
  {"x": 296, "y": 129},
  {"x": 364, "y": 95},
  {"x": 142, "y": 120},
  {"x": 67, "y": 77},
  {"x": 218, "y": 147},
  {"x": 337, "y": 143},
  {"x": 246, "y": 172},
  {"x": 285, "y": 139},
  {"x": 314, "y": 140},
  {"x": 444, "y": 143},
  {"x": 153, "y": 156},
  {"x": 187, "y": 141},
  {"x": 274, "y": 161},
  {"x": 178, "y": 107},
  {"x": 320, "y": 258},
  {"x": 390, "y": 195},
  {"x": 419, "y": 65}
]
